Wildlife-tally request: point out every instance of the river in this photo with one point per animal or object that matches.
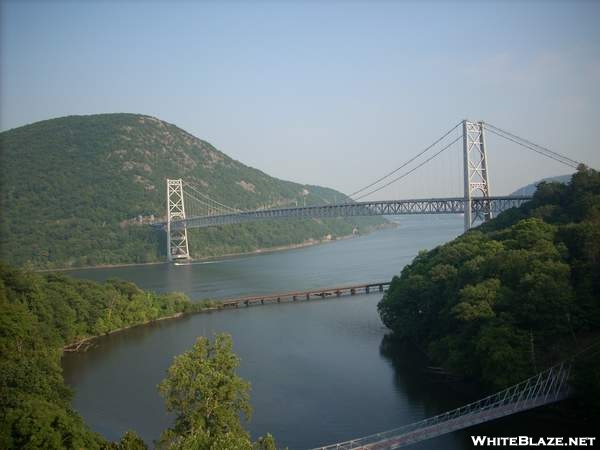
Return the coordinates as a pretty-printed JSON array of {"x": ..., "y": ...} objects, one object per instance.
[{"x": 318, "y": 371}]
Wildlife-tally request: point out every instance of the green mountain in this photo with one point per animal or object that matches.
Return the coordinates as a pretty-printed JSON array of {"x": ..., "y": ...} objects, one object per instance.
[{"x": 73, "y": 190}]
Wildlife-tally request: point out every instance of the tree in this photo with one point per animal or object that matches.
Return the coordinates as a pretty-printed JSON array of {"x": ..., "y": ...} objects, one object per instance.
[
  {"x": 477, "y": 301},
  {"x": 207, "y": 396},
  {"x": 131, "y": 441}
]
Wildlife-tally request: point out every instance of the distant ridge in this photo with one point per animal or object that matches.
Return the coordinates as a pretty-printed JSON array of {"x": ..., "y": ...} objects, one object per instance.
[
  {"x": 531, "y": 188},
  {"x": 75, "y": 189}
]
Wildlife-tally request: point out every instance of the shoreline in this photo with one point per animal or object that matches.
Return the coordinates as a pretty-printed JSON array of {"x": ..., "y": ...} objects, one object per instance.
[
  {"x": 80, "y": 345},
  {"x": 258, "y": 251},
  {"x": 210, "y": 305},
  {"x": 75, "y": 347}
]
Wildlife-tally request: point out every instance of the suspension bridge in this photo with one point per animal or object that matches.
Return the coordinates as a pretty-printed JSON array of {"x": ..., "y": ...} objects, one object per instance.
[
  {"x": 188, "y": 207},
  {"x": 476, "y": 204}
]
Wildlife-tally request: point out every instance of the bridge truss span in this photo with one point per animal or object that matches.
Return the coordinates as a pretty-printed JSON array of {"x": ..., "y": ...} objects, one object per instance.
[{"x": 479, "y": 208}]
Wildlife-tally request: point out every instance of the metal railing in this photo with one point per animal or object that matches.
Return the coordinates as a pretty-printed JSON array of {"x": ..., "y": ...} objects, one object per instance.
[{"x": 546, "y": 387}]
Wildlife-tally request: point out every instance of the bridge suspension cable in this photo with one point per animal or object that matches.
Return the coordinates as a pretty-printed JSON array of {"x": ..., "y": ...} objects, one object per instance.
[
  {"x": 405, "y": 174},
  {"x": 405, "y": 163},
  {"x": 213, "y": 206},
  {"x": 206, "y": 208},
  {"x": 532, "y": 146}
]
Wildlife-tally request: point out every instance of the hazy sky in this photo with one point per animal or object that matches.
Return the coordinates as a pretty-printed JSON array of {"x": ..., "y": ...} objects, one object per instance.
[{"x": 332, "y": 93}]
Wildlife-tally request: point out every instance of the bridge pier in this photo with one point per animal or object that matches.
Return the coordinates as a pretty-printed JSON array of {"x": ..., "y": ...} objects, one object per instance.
[
  {"x": 476, "y": 177},
  {"x": 177, "y": 242}
]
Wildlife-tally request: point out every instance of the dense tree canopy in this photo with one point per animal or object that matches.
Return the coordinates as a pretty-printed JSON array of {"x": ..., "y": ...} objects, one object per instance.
[
  {"x": 34, "y": 402},
  {"x": 513, "y": 296},
  {"x": 39, "y": 314},
  {"x": 209, "y": 399},
  {"x": 204, "y": 391}
]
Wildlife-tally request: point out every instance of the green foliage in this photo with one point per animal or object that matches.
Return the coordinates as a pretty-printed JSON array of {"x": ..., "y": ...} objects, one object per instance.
[
  {"x": 73, "y": 309},
  {"x": 72, "y": 189},
  {"x": 209, "y": 400},
  {"x": 586, "y": 379},
  {"x": 36, "y": 423},
  {"x": 514, "y": 296},
  {"x": 204, "y": 391},
  {"x": 476, "y": 302},
  {"x": 39, "y": 314},
  {"x": 131, "y": 441},
  {"x": 34, "y": 402},
  {"x": 266, "y": 442}
]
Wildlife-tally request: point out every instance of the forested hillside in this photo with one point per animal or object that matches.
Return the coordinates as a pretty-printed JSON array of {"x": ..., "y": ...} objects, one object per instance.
[
  {"x": 73, "y": 187},
  {"x": 513, "y": 296},
  {"x": 39, "y": 314}
]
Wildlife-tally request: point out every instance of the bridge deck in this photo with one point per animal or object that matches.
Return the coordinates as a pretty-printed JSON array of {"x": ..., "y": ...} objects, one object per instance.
[
  {"x": 305, "y": 295},
  {"x": 454, "y": 205},
  {"x": 468, "y": 420},
  {"x": 544, "y": 388}
]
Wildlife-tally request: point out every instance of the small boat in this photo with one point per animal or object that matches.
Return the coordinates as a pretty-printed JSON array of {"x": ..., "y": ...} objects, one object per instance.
[{"x": 186, "y": 262}]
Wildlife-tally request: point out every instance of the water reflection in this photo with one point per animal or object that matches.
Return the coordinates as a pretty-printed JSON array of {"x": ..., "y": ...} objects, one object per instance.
[
  {"x": 422, "y": 389},
  {"x": 317, "y": 369}
]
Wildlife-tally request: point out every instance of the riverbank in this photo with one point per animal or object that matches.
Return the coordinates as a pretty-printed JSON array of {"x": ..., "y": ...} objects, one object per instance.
[
  {"x": 258, "y": 251},
  {"x": 211, "y": 305},
  {"x": 83, "y": 344}
]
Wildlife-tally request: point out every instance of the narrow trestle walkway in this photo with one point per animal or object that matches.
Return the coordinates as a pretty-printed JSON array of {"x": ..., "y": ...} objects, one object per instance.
[
  {"x": 306, "y": 295},
  {"x": 546, "y": 387}
]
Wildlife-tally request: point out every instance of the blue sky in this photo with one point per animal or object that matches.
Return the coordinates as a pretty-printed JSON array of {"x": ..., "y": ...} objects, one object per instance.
[{"x": 332, "y": 93}]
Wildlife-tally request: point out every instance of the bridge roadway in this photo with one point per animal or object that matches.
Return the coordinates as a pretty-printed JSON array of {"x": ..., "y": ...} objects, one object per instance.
[
  {"x": 304, "y": 295},
  {"x": 454, "y": 205}
]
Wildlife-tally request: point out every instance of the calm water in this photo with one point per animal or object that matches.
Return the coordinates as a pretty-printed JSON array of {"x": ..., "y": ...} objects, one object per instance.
[{"x": 317, "y": 369}]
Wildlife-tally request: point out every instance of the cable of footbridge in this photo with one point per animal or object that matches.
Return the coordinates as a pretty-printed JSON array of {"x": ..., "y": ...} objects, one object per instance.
[{"x": 546, "y": 387}]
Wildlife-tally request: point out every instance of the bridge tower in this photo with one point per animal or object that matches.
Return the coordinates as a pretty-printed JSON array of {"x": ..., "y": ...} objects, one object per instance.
[
  {"x": 177, "y": 242},
  {"x": 476, "y": 171}
]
